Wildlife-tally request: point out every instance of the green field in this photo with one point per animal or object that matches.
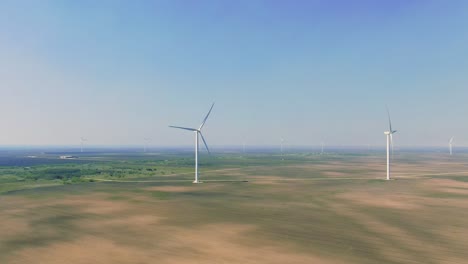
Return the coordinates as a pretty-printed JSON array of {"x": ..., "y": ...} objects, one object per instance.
[{"x": 254, "y": 208}]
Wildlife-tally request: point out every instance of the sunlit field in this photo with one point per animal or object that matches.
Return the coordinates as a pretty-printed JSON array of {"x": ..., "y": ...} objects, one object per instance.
[{"x": 251, "y": 208}]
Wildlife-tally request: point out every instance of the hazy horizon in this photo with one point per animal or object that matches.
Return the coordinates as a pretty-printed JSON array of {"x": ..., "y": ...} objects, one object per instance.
[
  {"x": 116, "y": 72},
  {"x": 237, "y": 148}
]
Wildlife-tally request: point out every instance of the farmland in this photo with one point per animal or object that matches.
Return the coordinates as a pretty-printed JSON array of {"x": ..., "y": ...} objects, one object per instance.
[{"x": 251, "y": 208}]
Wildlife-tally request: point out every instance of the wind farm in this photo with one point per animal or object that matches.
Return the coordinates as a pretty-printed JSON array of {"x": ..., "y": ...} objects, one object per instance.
[
  {"x": 98, "y": 97},
  {"x": 300, "y": 207}
]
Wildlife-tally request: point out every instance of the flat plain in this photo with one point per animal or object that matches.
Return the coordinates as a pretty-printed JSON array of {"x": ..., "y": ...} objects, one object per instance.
[{"x": 251, "y": 208}]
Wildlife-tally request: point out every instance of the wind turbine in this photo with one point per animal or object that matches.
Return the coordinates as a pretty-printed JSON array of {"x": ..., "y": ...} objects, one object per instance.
[
  {"x": 197, "y": 132},
  {"x": 389, "y": 142},
  {"x": 281, "y": 147},
  {"x": 147, "y": 140},
  {"x": 321, "y": 152},
  {"x": 450, "y": 145},
  {"x": 82, "y": 139}
]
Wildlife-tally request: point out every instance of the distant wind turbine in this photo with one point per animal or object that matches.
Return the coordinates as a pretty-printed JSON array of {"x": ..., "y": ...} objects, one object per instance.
[
  {"x": 450, "y": 145},
  {"x": 82, "y": 139},
  {"x": 146, "y": 142},
  {"x": 281, "y": 147},
  {"x": 321, "y": 152},
  {"x": 389, "y": 142},
  {"x": 197, "y": 133}
]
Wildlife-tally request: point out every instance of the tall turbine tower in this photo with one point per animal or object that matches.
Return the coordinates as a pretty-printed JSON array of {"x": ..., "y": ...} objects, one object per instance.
[
  {"x": 146, "y": 142},
  {"x": 82, "y": 139},
  {"x": 450, "y": 145},
  {"x": 197, "y": 133},
  {"x": 389, "y": 143}
]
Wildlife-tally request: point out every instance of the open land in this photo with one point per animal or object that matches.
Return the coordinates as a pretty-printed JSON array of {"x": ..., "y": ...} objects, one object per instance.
[{"x": 251, "y": 208}]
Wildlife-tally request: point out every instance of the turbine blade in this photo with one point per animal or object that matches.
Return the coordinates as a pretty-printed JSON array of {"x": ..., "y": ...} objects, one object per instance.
[
  {"x": 206, "y": 117},
  {"x": 204, "y": 142},
  {"x": 185, "y": 128},
  {"x": 451, "y": 140},
  {"x": 389, "y": 120}
]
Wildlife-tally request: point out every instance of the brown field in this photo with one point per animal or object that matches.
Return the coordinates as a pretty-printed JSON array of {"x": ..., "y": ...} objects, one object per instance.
[{"x": 338, "y": 210}]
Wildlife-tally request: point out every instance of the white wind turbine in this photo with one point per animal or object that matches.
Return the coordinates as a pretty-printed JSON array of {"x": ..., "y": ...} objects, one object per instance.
[
  {"x": 146, "y": 142},
  {"x": 281, "y": 147},
  {"x": 82, "y": 139},
  {"x": 389, "y": 142},
  {"x": 450, "y": 145},
  {"x": 197, "y": 132}
]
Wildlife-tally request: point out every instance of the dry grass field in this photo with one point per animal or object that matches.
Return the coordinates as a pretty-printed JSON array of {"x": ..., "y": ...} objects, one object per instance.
[{"x": 334, "y": 210}]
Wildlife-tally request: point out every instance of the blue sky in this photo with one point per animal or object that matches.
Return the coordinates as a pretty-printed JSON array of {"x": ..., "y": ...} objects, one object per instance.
[{"x": 309, "y": 71}]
